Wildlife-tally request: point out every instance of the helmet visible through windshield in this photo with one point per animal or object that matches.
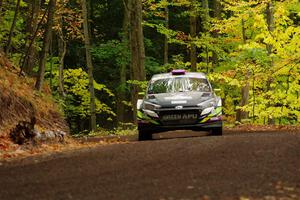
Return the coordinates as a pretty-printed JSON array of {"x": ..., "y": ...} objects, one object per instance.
[{"x": 178, "y": 84}]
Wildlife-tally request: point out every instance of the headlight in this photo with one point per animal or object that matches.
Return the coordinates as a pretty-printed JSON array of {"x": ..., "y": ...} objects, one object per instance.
[
  {"x": 207, "y": 104},
  {"x": 207, "y": 110},
  {"x": 150, "y": 113},
  {"x": 148, "y": 109},
  {"x": 150, "y": 106}
]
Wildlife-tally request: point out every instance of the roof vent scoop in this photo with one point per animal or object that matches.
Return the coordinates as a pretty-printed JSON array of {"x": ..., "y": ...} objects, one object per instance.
[{"x": 178, "y": 72}]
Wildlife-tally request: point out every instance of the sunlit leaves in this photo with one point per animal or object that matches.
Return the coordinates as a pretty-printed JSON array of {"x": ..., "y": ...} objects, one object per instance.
[
  {"x": 78, "y": 96},
  {"x": 274, "y": 78}
]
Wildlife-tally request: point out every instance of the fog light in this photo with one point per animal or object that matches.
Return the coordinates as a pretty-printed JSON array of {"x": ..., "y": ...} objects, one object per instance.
[
  {"x": 150, "y": 113},
  {"x": 207, "y": 110},
  {"x": 216, "y": 118}
]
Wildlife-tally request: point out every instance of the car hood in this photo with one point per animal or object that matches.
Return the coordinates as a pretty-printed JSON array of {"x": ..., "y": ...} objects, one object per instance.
[{"x": 185, "y": 99}]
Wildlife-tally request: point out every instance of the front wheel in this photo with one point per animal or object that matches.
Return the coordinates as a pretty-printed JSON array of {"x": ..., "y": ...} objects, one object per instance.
[
  {"x": 217, "y": 131},
  {"x": 144, "y": 135}
]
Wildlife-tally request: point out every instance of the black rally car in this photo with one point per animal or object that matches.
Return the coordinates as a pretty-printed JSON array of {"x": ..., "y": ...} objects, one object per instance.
[{"x": 179, "y": 100}]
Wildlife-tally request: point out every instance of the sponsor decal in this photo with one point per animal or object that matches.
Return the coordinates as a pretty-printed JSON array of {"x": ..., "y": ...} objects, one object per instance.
[
  {"x": 178, "y": 98},
  {"x": 179, "y": 117},
  {"x": 178, "y": 102}
]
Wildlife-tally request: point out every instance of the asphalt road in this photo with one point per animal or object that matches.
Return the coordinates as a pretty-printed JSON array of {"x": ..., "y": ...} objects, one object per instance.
[{"x": 234, "y": 166}]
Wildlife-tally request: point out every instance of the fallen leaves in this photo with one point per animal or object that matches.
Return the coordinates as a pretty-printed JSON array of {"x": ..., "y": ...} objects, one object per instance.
[
  {"x": 263, "y": 128},
  {"x": 10, "y": 151}
]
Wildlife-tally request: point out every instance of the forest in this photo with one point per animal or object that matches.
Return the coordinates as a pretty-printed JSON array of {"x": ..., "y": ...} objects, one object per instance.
[{"x": 96, "y": 56}]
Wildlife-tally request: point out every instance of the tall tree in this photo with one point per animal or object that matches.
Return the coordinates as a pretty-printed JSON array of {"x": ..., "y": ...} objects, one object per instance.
[
  {"x": 271, "y": 26},
  {"x": 62, "y": 49},
  {"x": 166, "y": 45},
  {"x": 245, "y": 89},
  {"x": 23, "y": 61},
  {"x": 1, "y": 8},
  {"x": 137, "y": 49},
  {"x": 270, "y": 23},
  {"x": 89, "y": 64},
  {"x": 216, "y": 15},
  {"x": 124, "y": 65},
  {"x": 193, "y": 33},
  {"x": 46, "y": 45},
  {"x": 8, "y": 44},
  {"x": 32, "y": 27},
  {"x": 1, "y": 13},
  {"x": 205, "y": 28}
]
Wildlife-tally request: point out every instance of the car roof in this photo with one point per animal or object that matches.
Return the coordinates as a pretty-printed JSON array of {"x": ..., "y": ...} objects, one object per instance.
[{"x": 187, "y": 74}]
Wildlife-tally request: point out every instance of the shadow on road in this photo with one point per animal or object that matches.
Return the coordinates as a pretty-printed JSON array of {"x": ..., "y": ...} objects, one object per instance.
[{"x": 179, "y": 134}]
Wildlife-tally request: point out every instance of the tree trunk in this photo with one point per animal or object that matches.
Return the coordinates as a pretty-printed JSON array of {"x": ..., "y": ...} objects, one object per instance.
[
  {"x": 271, "y": 26},
  {"x": 216, "y": 15},
  {"x": 121, "y": 92},
  {"x": 90, "y": 16},
  {"x": 24, "y": 60},
  {"x": 193, "y": 33},
  {"x": 166, "y": 45},
  {"x": 32, "y": 27},
  {"x": 89, "y": 64},
  {"x": 1, "y": 15},
  {"x": 8, "y": 44},
  {"x": 205, "y": 28},
  {"x": 205, "y": 16},
  {"x": 46, "y": 45},
  {"x": 1, "y": 8},
  {"x": 270, "y": 22},
  {"x": 217, "y": 9},
  {"x": 62, "y": 49},
  {"x": 245, "y": 89},
  {"x": 137, "y": 49}
]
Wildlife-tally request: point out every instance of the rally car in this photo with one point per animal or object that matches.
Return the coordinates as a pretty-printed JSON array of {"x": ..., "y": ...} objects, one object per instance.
[{"x": 179, "y": 100}]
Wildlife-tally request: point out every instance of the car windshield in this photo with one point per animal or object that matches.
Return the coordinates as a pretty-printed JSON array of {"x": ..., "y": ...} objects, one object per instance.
[{"x": 178, "y": 84}]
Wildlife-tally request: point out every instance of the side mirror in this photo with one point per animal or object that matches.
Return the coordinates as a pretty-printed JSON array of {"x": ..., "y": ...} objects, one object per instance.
[{"x": 139, "y": 104}]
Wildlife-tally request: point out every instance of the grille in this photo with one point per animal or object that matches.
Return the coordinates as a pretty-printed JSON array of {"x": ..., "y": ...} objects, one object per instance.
[{"x": 179, "y": 117}]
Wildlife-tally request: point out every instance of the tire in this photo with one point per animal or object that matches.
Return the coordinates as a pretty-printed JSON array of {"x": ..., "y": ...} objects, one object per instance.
[
  {"x": 217, "y": 131},
  {"x": 144, "y": 135}
]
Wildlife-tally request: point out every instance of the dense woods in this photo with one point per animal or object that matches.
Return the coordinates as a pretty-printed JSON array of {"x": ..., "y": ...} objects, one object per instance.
[{"x": 97, "y": 55}]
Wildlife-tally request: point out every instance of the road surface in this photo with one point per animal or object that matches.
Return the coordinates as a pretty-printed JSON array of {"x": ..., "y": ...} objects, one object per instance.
[{"x": 234, "y": 166}]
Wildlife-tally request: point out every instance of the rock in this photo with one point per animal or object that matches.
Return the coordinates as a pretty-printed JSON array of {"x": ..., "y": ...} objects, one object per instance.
[
  {"x": 61, "y": 135},
  {"x": 49, "y": 134},
  {"x": 23, "y": 132}
]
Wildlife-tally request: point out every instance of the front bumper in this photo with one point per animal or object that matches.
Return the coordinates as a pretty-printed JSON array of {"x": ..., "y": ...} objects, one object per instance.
[
  {"x": 207, "y": 122},
  {"x": 199, "y": 127}
]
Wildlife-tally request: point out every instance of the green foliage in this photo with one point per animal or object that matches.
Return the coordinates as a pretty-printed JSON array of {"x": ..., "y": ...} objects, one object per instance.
[
  {"x": 152, "y": 66},
  {"x": 113, "y": 52},
  {"x": 7, "y": 16},
  {"x": 233, "y": 58},
  {"x": 142, "y": 85},
  {"x": 78, "y": 97},
  {"x": 76, "y": 103},
  {"x": 274, "y": 78}
]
